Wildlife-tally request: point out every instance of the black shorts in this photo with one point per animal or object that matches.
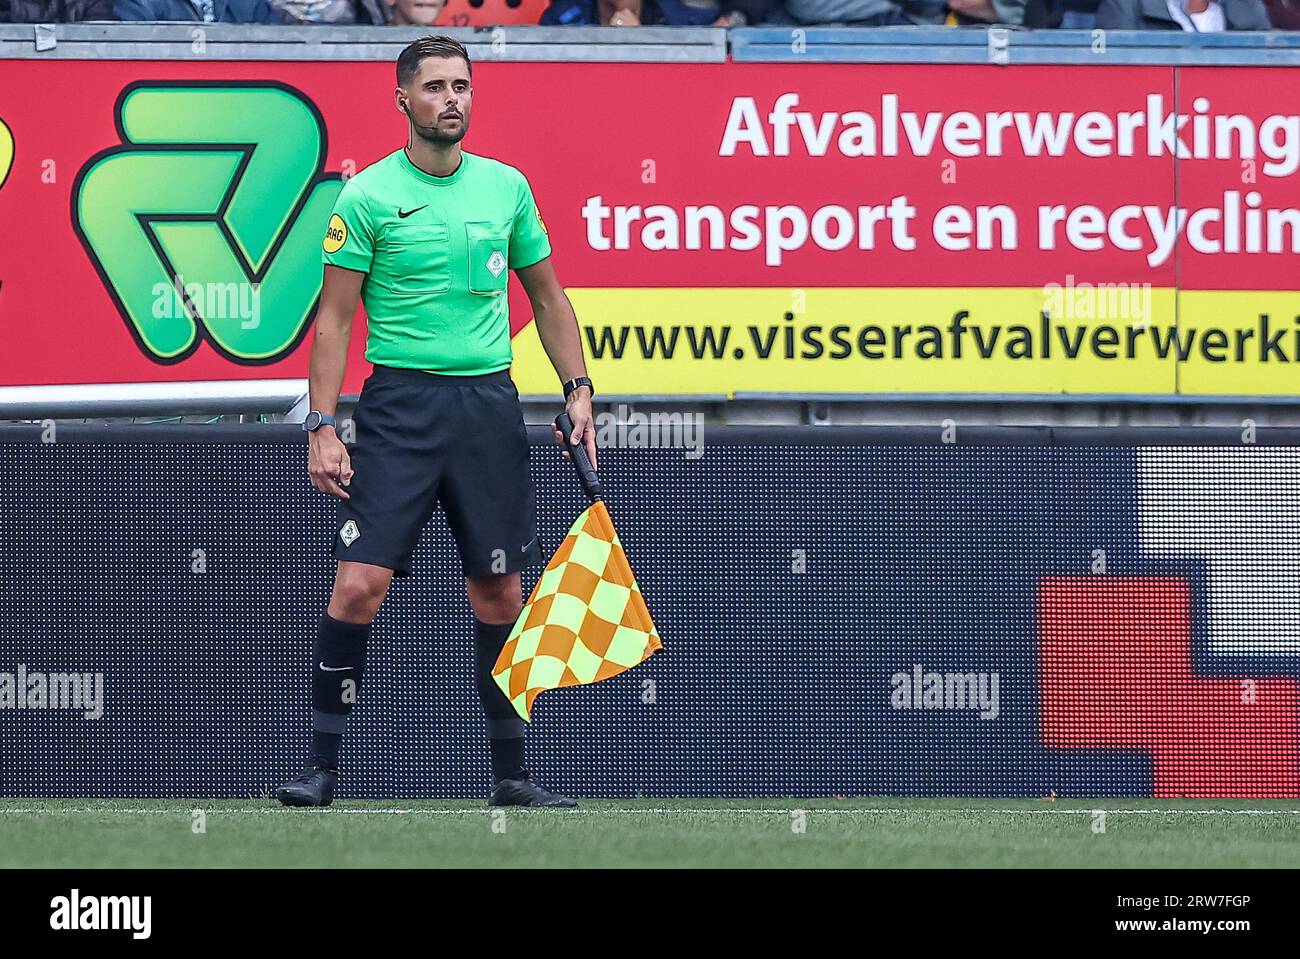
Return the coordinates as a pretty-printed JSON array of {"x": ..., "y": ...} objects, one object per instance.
[{"x": 424, "y": 439}]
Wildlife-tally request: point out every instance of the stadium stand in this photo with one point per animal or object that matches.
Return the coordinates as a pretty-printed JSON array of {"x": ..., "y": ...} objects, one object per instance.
[{"x": 1198, "y": 16}]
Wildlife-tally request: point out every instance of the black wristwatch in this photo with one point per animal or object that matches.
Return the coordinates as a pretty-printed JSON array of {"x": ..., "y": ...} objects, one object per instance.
[
  {"x": 577, "y": 381},
  {"x": 315, "y": 420}
]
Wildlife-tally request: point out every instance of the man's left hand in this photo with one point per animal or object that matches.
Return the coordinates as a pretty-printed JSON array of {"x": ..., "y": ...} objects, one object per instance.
[{"x": 578, "y": 407}]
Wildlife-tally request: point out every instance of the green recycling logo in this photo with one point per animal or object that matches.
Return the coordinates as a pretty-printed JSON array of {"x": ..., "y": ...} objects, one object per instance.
[{"x": 205, "y": 223}]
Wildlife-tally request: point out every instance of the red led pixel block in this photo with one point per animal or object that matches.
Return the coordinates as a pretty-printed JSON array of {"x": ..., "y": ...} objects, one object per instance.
[{"x": 1115, "y": 671}]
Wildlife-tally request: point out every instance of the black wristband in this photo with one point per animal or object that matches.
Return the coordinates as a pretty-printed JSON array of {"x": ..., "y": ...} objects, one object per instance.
[{"x": 577, "y": 381}]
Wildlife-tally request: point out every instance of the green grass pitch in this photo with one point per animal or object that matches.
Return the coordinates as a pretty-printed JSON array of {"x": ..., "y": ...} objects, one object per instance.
[{"x": 82, "y": 833}]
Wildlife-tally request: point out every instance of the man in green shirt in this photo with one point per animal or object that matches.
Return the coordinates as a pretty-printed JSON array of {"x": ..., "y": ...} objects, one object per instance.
[{"x": 426, "y": 238}]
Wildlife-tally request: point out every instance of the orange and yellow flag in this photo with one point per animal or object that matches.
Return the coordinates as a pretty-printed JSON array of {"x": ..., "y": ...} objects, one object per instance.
[{"x": 585, "y": 621}]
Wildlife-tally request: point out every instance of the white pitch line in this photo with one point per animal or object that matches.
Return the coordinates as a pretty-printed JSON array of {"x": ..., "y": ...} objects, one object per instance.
[{"x": 273, "y": 810}]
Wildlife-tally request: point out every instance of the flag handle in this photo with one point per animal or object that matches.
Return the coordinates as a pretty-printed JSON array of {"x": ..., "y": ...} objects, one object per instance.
[{"x": 581, "y": 461}]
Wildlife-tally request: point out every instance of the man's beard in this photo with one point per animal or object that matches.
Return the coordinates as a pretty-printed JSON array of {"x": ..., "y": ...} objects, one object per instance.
[{"x": 438, "y": 137}]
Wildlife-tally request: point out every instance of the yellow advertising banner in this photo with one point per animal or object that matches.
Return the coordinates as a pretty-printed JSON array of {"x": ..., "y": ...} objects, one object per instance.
[{"x": 1009, "y": 340}]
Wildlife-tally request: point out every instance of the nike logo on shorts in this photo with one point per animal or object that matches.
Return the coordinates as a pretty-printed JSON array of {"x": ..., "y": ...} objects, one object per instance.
[{"x": 334, "y": 669}]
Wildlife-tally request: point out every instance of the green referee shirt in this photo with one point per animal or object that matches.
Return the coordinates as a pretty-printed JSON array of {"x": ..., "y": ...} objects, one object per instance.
[{"x": 437, "y": 253}]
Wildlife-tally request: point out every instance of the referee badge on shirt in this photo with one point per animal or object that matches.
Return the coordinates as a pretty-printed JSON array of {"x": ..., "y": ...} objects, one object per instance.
[{"x": 488, "y": 264}]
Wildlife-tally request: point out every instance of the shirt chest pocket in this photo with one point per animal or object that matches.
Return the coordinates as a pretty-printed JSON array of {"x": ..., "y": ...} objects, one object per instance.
[
  {"x": 488, "y": 247},
  {"x": 417, "y": 258}
]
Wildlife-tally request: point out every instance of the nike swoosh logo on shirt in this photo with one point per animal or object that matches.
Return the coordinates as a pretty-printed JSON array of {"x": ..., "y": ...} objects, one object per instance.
[
  {"x": 403, "y": 214},
  {"x": 334, "y": 669}
]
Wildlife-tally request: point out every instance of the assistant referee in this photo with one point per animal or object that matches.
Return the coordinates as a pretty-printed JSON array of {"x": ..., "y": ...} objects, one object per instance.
[{"x": 426, "y": 238}]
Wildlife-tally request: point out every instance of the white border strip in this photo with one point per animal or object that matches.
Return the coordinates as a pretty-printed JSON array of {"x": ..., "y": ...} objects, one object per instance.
[
  {"x": 150, "y": 399},
  {"x": 269, "y": 808}
]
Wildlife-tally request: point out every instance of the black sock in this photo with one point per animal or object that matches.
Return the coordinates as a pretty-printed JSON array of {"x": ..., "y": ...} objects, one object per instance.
[
  {"x": 338, "y": 661},
  {"x": 507, "y": 758},
  {"x": 504, "y": 727}
]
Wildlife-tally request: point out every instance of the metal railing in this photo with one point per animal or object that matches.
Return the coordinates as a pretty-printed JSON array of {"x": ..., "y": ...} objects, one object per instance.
[
  {"x": 772, "y": 44},
  {"x": 151, "y": 399},
  {"x": 228, "y": 41}
]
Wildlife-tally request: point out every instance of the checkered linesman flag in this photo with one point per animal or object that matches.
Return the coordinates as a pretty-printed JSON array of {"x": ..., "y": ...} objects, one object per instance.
[{"x": 586, "y": 619}]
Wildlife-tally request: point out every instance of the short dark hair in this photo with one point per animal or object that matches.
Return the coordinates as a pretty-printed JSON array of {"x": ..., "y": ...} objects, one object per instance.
[{"x": 409, "y": 60}]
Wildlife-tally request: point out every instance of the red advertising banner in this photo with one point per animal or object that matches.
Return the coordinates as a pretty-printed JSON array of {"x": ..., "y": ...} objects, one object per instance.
[{"x": 721, "y": 228}]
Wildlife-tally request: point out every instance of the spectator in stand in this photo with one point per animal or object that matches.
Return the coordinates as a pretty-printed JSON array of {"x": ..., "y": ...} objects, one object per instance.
[
  {"x": 316, "y": 11},
  {"x": 199, "y": 11},
  {"x": 1011, "y": 13},
  {"x": 414, "y": 13},
  {"x": 744, "y": 13},
  {"x": 1078, "y": 14},
  {"x": 679, "y": 13},
  {"x": 1191, "y": 16},
  {"x": 619, "y": 13},
  {"x": 1283, "y": 14},
  {"x": 633, "y": 13},
  {"x": 57, "y": 11},
  {"x": 865, "y": 13},
  {"x": 686, "y": 13}
]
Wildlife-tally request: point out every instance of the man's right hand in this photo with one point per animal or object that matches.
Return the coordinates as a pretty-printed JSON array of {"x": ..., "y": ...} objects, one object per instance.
[{"x": 328, "y": 462}]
